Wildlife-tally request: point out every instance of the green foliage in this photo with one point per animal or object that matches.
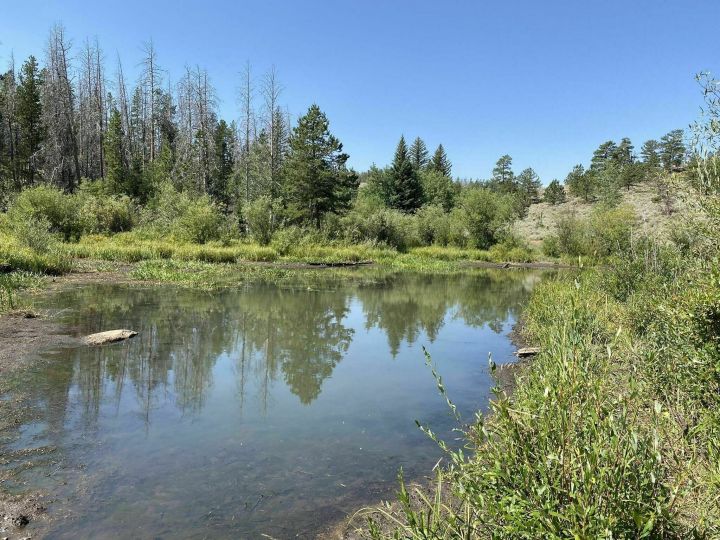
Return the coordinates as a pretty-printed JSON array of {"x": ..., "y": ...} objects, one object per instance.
[
  {"x": 200, "y": 222},
  {"x": 650, "y": 153},
  {"x": 48, "y": 205},
  {"x": 433, "y": 225},
  {"x": 581, "y": 183},
  {"x": 418, "y": 154},
  {"x": 117, "y": 172},
  {"x": 33, "y": 232},
  {"x": 29, "y": 118},
  {"x": 383, "y": 226},
  {"x": 483, "y": 216},
  {"x": 528, "y": 186},
  {"x": 407, "y": 190},
  {"x": 554, "y": 193},
  {"x": 261, "y": 219},
  {"x": 440, "y": 162},
  {"x": 103, "y": 214},
  {"x": 187, "y": 217},
  {"x": 438, "y": 189},
  {"x": 503, "y": 177},
  {"x": 672, "y": 150},
  {"x": 607, "y": 231},
  {"x": 316, "y": 176}
]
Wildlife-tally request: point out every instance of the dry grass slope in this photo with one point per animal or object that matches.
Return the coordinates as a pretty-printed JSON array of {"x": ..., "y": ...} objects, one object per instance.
[{"x": 542, "y": 217}]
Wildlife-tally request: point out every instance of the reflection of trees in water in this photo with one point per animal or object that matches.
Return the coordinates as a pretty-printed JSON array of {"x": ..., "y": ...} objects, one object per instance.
[
  {"x": 268, "y": 332},
  {"x": 409, "y": 305},
  {"x": 299, "y": 333}
]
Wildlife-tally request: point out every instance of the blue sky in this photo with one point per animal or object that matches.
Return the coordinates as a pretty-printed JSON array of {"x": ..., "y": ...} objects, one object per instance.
[{"x": 545, "y": 81}]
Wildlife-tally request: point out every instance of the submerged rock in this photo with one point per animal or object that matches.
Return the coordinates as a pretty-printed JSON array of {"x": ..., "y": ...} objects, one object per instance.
[{"x": 111, "y": 336}]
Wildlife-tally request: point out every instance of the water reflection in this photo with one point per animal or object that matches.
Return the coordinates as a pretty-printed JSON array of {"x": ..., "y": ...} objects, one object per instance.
[
  {"x": 258, "y": 406},
  {"x": 269, "y": 333}
]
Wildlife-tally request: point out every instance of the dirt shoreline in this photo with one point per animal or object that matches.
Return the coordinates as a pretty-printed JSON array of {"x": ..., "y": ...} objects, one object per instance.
[{"x": 24, "y": 334}]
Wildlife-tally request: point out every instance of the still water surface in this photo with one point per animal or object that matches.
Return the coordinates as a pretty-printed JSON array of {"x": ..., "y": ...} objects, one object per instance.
[{"x": 266, "y": 410}]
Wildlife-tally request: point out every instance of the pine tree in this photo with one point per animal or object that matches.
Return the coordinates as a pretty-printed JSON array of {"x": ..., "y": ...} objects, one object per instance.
[
  {"x": 582, "y": 183},
  {"x": 29, "y": 116},
  {"x": 623, "y": 154},
  {"x": 219, "y": 187},
  {"x": 316, "y": 176},
  {"x": 649, "y": 153},
  {"x": 503, "y": 177},
  {"x": 554, "y": 193},
  {"x": 529, "y": 185},
  {"x": 440, "y": 162},
  {"x": 407, "y": 194},
  {"x": 418, "y": 154},
  {"x": 672, "y": 150},
  {"x": 606, "y": 152},
  {"x": 116, "y": 170}
]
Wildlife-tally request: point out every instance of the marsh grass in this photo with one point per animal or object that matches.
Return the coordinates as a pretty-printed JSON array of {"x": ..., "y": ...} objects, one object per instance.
[
  {"x": 11, "y": 287},
  {"x": 611, "y": 432}
]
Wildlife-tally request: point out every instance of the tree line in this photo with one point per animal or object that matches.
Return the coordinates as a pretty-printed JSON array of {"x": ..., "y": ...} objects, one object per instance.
[
  {"x": 615, "y": 166},
  {"x": 63, "y": 121}
]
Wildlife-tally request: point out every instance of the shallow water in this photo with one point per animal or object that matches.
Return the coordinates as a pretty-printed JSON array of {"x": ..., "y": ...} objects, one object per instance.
[{"x": 265, "y": 410}]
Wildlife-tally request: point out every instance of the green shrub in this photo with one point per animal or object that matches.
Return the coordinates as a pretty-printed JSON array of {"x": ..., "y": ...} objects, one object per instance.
[
  {"x": 106, "y": 214},
  {"x": 433, "y": 225},
  {"x": 286, "y": 239},
  {"x": 610, "y": 230},
  {"x": 381, "y": 226},
  {"x": 46, "y": 204},
  {"x": 483, "y": 217},
  {"x": 261, "y": 216},
  {"x": 200, "y": 223},
  {"x": 33, "y": 232}
]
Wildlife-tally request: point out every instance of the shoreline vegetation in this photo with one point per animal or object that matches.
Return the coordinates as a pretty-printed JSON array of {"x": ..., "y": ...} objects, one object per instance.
[{"x": 611, "y": 431}]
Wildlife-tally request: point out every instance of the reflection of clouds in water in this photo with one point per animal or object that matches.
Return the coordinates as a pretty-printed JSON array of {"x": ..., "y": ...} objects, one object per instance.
[{"x": 270, "y": 333}]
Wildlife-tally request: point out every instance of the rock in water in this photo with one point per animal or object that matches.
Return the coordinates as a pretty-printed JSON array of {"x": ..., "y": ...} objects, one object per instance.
[{"x": 111, "y": 336}]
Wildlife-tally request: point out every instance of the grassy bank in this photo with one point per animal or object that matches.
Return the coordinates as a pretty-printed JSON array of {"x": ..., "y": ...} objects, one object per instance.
[{"x": 613, "y": 430}]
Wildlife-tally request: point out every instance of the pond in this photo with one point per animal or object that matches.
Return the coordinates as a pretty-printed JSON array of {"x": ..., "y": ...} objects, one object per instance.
[{"x": 266, "y": 409}]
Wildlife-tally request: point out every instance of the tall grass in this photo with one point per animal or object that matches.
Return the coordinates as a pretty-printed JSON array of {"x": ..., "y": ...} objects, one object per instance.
[
  {"x": 611, "y": 432},
  {"x": 12, "y": 284}
]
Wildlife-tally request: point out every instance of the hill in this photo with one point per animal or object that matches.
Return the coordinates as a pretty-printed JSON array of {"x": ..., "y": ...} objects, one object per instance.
[{"x": 542, "y": 218}]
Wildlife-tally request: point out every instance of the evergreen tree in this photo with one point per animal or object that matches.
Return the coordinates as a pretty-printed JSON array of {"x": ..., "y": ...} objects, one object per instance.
[
  {"x": 503, "y": 177},
  {"x": 623, "y": 154},
  {"x": 554, "y": 193},
  {"x": 316, "y": 176},
  {"x": 672, "y": 150},
  {"x": 220, "y": 186},
  {"x": 418, "y": 154},
  {"x": 407, "y": 193},
  {"x": 529, "y": 185},
  {"x": 629, "y": 175},
  {"x": 649, "y": 153},
  {"x": 581, "y": 183},
  {"x": 440, "y": 162},
  {"x": 606, "y": 152},
  {"x": 116, "y": 170},
  {"x": 29, "y": 117}
]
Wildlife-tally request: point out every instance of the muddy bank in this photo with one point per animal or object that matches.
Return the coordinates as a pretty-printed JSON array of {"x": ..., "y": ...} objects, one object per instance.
[{"x": 22, "y": 336}]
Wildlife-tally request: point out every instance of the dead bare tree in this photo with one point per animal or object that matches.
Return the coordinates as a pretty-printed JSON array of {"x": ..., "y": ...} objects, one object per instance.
[
  {"x": 247, "y": 125},
  {"x": 61, "y": 155}
]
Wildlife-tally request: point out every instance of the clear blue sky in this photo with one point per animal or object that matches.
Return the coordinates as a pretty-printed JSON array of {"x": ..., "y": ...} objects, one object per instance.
[{"x": 545, "y": 81}]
